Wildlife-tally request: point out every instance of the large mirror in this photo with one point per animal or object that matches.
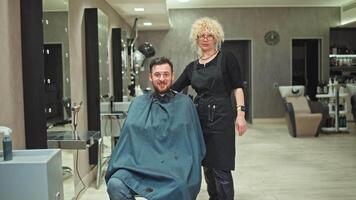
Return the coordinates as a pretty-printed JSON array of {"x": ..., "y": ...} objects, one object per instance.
[
  {"x": 56, "y": 63},
  {"x": 103, "y": 36},
  {"x": 125, "y": 68},
  {"x": 57, "y": 79}
]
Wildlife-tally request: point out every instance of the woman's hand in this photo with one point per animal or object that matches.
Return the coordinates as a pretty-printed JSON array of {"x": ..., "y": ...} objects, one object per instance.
[{"x": 240, "y": 123}]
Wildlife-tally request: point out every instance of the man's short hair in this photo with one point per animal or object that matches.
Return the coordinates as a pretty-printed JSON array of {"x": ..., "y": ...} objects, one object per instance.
[{"x": 160, "y": 61}]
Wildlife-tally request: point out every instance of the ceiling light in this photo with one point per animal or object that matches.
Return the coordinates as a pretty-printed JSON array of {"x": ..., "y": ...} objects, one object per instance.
[
  {"x": 139, "y": 9},
  {"x": 147, "y": 23},
  {"x": 183, "y": 1}
]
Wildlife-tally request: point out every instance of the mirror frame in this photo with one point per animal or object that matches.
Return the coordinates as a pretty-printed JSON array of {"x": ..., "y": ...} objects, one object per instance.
[
  {"x": 117, "y": 64},
  {"x": 92, "y": 68}
]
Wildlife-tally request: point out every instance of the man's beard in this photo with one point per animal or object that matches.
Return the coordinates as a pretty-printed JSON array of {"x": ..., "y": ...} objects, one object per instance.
[{"x": 157, "y": 90}]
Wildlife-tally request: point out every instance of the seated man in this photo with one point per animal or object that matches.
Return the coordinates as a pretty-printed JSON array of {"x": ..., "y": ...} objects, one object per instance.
[{"x": 159, "y": 153}]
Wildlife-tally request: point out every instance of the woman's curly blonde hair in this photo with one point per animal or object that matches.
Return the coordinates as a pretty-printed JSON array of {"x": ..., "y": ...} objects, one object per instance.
[{"x": 202, "y": 25}]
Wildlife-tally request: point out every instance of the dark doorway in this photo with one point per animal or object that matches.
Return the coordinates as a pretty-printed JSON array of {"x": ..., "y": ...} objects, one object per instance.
[
  {"x": 242, "y": 50},
  {"x": 305, "y": 64},
  {"x": 53, "y": 72}
]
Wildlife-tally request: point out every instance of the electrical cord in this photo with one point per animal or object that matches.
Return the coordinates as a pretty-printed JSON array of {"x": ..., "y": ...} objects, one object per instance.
[
  {"x": 80, "y": 178},
  {"x": 75, "y": 111}
]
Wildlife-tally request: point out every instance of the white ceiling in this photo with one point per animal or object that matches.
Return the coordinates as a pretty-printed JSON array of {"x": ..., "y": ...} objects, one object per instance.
[
  {"x": 156, "y": 11},
  {"x": 255, "y": 3}
]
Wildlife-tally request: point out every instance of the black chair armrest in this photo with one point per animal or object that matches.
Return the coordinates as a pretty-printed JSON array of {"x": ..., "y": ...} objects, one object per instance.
[{"x": 290, "y": 117}]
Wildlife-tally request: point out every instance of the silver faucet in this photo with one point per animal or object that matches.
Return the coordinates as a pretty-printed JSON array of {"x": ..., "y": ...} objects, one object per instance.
[{"x": 75, "y": 110}]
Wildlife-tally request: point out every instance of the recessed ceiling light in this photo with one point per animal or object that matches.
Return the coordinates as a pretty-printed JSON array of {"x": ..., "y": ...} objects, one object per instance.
[
  {"x": 183, "y": 1},
  {"x": 147, "y": 23},
  {"x": 139, "y": 9}
]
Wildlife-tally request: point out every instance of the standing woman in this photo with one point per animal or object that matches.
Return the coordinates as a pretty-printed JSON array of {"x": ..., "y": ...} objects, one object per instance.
[{"x": 215, "y": 75}]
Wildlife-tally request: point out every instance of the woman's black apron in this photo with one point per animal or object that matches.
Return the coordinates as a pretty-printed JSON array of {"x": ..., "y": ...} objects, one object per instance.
[{"x": 216, "y": 113}]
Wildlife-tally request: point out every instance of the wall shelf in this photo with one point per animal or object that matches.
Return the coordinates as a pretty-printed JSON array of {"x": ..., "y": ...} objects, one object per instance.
[
  {"x": 342, "y": 112},
  {"x": 331, "y": 95},
  {"x": 343, "y": 68},
  {"x": 342, "y": 55},
  {"x": 333, "y": 129}
]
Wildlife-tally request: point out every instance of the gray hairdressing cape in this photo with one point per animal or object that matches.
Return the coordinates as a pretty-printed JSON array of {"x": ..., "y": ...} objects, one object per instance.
[{"x": 160, "y": 149}]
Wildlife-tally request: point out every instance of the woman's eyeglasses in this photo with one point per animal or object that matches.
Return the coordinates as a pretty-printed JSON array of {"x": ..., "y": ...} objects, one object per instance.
[{"x": 205, "y": 36}]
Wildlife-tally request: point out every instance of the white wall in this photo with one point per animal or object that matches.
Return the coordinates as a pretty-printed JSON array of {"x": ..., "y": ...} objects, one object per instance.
[{"x": 11, "y": 90}]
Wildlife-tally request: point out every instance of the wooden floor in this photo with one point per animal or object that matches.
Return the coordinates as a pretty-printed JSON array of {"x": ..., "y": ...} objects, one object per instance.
[{"x": 271, "y": 165}]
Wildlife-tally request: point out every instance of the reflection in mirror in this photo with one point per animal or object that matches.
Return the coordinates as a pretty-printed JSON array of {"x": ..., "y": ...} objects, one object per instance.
[
  {"x": 56, "y": 62},
  {"x": 125, "y": 69},
  {"x": 57, "y": 80},
  {"x": 103, "y": 34}
]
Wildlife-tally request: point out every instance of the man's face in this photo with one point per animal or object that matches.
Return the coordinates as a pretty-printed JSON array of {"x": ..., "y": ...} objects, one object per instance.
[{"x": 161, "y": 77}]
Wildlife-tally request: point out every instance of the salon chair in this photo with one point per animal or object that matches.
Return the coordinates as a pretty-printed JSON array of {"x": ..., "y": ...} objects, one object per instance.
[{"x": 303, "y": 117}]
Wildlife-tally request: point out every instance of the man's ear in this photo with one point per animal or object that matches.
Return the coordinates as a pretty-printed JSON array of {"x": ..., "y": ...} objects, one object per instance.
[
  {"x": 173, "y": 76},
  {"x": 150, "y": 76}
]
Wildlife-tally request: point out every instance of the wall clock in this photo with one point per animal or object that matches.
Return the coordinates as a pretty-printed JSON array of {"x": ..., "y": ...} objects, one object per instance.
[{"x": 271, "y": 38}]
